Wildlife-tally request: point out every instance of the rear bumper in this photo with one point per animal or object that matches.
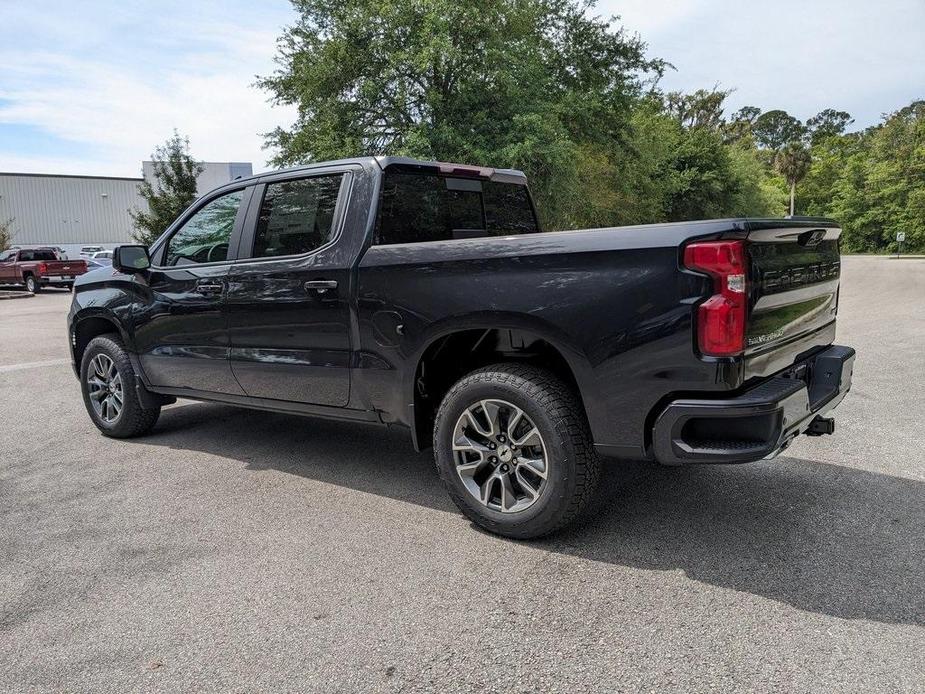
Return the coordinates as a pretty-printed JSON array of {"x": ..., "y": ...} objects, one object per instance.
[{"x": 758, "y": 423}]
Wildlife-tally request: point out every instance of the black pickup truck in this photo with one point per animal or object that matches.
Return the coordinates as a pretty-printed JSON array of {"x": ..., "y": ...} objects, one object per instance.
[{"x": 400, "y": 292}]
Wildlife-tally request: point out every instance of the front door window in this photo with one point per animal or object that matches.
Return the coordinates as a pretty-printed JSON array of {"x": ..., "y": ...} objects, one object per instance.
[{"x": 204, "y": 238}]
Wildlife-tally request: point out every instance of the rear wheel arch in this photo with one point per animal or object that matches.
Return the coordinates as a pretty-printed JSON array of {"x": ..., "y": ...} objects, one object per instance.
[{"x": 450, "y": 356}]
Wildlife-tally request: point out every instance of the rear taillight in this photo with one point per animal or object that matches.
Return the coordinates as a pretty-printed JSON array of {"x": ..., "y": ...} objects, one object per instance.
[
  {"x": 43, "y": 268},
  {"x": 721, "y": 318}
]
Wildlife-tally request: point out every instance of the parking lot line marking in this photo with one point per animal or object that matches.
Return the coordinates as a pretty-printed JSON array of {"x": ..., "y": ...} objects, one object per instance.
[{"x": 32, "y": 365}]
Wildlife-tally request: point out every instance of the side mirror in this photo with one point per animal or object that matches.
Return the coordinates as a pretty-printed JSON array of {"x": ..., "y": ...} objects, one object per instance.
[{"x": 131, "y": 259}]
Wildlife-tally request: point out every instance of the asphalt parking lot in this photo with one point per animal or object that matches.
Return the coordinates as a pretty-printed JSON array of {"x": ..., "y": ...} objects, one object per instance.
[{"x": 234, "y": 550}]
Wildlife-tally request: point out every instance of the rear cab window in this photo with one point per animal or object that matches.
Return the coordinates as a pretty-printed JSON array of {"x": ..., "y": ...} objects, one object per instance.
[
  {"x": 30, "y": 255},
  {"x": 420, "y": 206}
]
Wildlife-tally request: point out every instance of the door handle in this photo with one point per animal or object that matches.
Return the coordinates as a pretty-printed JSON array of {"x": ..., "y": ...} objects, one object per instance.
[
  {"x": 209, "y": 287},
  {"x": 320, "y": 286}
]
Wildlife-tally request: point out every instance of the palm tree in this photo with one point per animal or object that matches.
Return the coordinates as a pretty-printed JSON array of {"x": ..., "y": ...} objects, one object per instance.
[{"x": 792, "y": 161}]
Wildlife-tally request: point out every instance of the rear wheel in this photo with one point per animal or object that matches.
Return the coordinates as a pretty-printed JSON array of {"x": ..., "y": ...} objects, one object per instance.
[
  {"x": 514, "y": 450},
  {"x": 32, "y": 285},
  {"x": 108, "y": 381}
]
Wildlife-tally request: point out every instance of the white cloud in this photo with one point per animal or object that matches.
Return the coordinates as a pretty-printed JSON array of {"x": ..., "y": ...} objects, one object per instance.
[
  {"x": 855, "y": 55},
  {"x": 648, "y": 17},
  {"x": 122, "y": 109},
  {"x": 98, "y": 84}
]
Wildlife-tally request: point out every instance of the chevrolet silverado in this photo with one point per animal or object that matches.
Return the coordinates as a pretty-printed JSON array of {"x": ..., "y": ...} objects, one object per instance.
[
  {"x": 35, "y": 268},
  {"x": 425, "y": 295}
]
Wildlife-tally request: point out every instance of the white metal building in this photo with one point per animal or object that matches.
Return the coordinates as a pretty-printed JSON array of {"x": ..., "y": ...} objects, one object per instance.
[{"x": 72, "y": 211}]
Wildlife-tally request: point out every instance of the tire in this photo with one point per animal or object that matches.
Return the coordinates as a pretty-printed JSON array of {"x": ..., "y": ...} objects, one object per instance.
[
  {"x": 571, "y": 466},
  {"x": 131, "y": 419},
  {"x": 33, "y": 286}
]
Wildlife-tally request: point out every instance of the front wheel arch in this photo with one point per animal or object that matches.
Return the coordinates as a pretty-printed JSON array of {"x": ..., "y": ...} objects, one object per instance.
[{"x": 89, "y": 327}]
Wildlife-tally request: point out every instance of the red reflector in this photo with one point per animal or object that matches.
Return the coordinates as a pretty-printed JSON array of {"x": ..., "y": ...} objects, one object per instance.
[{"x": 721, "y": 318}]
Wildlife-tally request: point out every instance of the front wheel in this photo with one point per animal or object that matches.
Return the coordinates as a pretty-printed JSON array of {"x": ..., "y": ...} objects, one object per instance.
[
  {"x": 108, "y": 380},
  {"x": 514, "y": 450}
]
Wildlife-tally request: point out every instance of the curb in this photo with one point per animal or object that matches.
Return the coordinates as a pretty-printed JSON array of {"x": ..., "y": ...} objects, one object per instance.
[{"x": 15, "y": 295}]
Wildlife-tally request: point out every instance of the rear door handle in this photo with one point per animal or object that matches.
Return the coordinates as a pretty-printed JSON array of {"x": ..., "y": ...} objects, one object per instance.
[{"x": 320, "y": 286}]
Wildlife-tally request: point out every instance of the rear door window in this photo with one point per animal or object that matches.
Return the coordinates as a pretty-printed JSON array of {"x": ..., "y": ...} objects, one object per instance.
[
  {"x": 420, "y": 207},
  {"x": 297, "y": 216}
]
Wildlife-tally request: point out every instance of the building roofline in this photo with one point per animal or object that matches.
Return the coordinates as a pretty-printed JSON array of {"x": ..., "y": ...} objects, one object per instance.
[{"x": 44, "y": 175}]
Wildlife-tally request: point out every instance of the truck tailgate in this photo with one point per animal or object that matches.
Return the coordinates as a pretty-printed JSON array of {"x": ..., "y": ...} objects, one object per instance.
[
  {"x": 794, "y": 271},
  {"x": 55, "y": 268}
]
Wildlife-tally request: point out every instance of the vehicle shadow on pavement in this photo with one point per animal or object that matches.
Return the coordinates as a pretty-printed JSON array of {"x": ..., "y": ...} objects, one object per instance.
[{"x": 825, "y": 538}]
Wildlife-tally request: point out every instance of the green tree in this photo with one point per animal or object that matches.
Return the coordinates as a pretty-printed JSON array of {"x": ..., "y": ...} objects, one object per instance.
[
  {"x": 873, "y": 182},
  {"x": 541, "y": 85},
  {"x": 679, "y": 173},
  {"x": 894, "y": 185},
  {"x": 700, "y": 109},
  {"x": 793, "y": 162},
  {"x": 774, "y": 129},
  {"x": 6, "y": 234},
  {"x": 830, "y": 156},
  {"x": 172, "y": 191},
  {"x": 739, "y": 128},
  {"x": 828, "y": 123}
]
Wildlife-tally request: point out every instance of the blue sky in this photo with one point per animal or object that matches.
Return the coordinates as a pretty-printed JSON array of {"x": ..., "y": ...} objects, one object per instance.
[{"x": 92, "y": 87}]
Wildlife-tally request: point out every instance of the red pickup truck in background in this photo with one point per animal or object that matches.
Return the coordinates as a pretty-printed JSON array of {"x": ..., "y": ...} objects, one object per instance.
[{"x": 37, "y": 268}]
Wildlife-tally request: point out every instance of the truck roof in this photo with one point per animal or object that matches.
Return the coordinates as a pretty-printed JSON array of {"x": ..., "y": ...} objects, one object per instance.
[{"x": 408, "y": 163}]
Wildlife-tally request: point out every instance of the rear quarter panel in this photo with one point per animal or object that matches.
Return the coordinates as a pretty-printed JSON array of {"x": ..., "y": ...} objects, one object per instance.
[{"x": 614, "y": 302}]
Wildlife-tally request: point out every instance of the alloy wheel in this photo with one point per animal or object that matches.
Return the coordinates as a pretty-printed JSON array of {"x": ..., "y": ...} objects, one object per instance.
[
  {"x": 500, "y": 456},
  {"x": 104, "y": 384}
]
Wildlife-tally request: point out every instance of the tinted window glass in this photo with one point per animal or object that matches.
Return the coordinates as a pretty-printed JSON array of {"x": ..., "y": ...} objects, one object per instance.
[
  {"x": 204, "y": 238},
  {"x": 297, "y": 216},
  {"x": 425, "y": 207},
  {"x": 508, "y": 210},
  {"x": 44, "y": 255}
]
